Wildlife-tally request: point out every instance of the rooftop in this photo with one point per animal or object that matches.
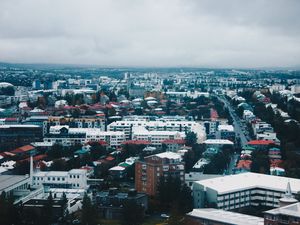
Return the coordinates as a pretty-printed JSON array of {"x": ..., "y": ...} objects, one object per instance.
[
  {"x": 218, "y": 142},
  {"x": 8, "y": 180},
  {"x": 169, "y": 155},
  {"x": 289, "y": 210},
  {"x": 249, "y": 180},
  {"x": 226, "y": 217}
]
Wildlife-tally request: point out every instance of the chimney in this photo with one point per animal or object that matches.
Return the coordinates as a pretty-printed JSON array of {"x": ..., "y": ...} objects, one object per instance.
[{"x": 31, "y": 171}]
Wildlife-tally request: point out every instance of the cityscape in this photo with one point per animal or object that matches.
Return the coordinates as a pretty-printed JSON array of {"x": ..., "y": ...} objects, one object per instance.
[{"x": 93, "y": 140}]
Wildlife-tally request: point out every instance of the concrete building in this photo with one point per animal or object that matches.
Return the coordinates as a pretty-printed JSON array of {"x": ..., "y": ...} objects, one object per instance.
[
  {"x": 289, "y": 215},
  {"x": 81, "y": 122},
  {"x": 75, "y": 178},
  {"x": 159, "y": 125},
  {"x": 241, "y": 190},
  {"x": 226, "y": 132},
  {"x": 155, "y": 137},
  {"x": 149, "y": 171},
  {"x": 110, "y": 203},
  {"x": 12, "y": 136},
  {"x": 67, "y": 136},
  {"x": 220, "y": 217}
]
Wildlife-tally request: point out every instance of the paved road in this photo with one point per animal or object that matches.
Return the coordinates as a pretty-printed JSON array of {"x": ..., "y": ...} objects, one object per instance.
[{"x": 238, "y": 127}]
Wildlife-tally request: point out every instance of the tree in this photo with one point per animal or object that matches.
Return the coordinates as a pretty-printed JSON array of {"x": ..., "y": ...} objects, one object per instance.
[
  {"x": 191, "y": 138},
  {"x": 171, "y": 191},
  {"x": 260, "y": 162},
  {"x": 133, "y": 213},
  {"x": 47, "y": 215},
  {"x": 97, "y": 150},
  {"x": 56, "y": 151},
  {"x": 88, "y": 212}
]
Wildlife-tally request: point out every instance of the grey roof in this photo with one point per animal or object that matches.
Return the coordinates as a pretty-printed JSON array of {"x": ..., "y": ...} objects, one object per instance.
[
  {"x": 219, "y": 215},
  {"x": 289, "y": 210},
  {"x": 8, "y": 180}
]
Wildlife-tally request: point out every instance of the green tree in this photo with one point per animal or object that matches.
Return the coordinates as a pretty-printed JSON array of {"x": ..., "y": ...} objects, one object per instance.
[
  {"x": 260, "y": 162},
  {"x": 133, "y": 213},
  {"x": 88, "y": 212},
  {"x": 191, "y": 138}
]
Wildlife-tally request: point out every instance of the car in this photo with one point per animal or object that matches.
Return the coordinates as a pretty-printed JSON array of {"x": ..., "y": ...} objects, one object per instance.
[{"x": 164, "y": 216}]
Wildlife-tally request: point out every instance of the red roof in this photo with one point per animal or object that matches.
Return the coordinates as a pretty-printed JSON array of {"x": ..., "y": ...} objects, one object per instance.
[
  {"x": 35, "y": 158},
  {"x": 109, "y": 158},
  {"x": 174, "y": 141},
  {"x": 136, "y": 142},
  {"x": 244, "y": 164},
  {"x": 261, "y": 142},
  {"x": 24, "y": 148},
  {"x": 11, "y": 119}
]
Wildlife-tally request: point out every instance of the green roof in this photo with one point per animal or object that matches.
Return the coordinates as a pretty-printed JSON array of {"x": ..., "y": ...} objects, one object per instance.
[{"x": 82, "y": 151}]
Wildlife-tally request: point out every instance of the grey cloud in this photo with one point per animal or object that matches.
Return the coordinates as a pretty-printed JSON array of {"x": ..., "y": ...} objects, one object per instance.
[{"x": 231, "y": 33}]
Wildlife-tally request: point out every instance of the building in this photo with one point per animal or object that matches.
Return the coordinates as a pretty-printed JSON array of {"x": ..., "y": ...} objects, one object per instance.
[
  {"x": 191, "y": 177},
  {"x": 220, "y": 217},
  {"x": 155, "y": 137},
  {"x": 110, "y": 203},
  {"x": 81, "y": 122},
  {"x": 241, "y": 190},
  {"x": 289, "y": 214},
  {"x": 75, "y": 178},
  {"x": 217, "y": 143},
  {"x": 13, "y": 136},
  {"x": 67, "y": 136},
  {"x": 226, "y": 132},
  {"x": 149, "y": 171},
  {"x": 159, "y": 125},
  {"x": 15, "y": 185}
]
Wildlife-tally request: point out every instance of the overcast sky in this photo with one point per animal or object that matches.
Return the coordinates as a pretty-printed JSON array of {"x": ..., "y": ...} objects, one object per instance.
[{"x": 202, "y": 33}]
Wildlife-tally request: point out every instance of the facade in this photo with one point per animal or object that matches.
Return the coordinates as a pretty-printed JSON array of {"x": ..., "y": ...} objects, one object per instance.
[
  {"x": 289, "y": 214},
  {"x": 75, "y": 178},
  {"x": 226, "y": 132},
  {"x": 159, "y": 125},
  {"x": 149, "y": 171},
  {"x": 13, "y": 136},
  {"x": 110, "y": 203},
  {"x": 220, "y": 217},
  {"x": 15, "y": 185},
  {"x": 241, "y": 190},
  {"x": 82, "y": 122},
  {"x": 67, "y": 136},
  {"x": 154, "y": 137}
]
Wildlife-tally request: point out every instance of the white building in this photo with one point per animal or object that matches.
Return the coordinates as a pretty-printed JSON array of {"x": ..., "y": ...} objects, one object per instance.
[
  {"x": 245, "y": 189},
  {"x": 69, "y": 136},
  {"x": 155, "y": 137},
  {"x": 75, "y": 178},
  {"x": 217, "y": 216},
  {"x": 179, "y": 126}
]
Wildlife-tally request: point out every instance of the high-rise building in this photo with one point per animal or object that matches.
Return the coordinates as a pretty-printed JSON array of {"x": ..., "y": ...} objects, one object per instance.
[{"x": 149, "y": 171}]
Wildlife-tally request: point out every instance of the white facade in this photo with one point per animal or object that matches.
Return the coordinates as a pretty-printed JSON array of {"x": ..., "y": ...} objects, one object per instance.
[
  {"x": 75, "y": 178},
  {"x": 83, "y": 135},
  {"x": 180, "y": 126},
  {"x": 240, "y": 190},
  {"x": 155, "y": 137}
]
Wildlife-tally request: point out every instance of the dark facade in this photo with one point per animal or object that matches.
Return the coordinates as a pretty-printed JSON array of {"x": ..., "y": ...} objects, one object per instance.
[
  {"x": 110, "y": 203},
  {"x": 13, "y": 136}
]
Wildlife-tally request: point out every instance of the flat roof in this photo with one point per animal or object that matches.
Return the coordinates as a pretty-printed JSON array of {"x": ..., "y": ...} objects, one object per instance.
[
  {"x": 169, "y": 155},
  {"x": 8, "y": 180},
  {"x": 289, "y": 210},
  {"x": 218, "y": 142},
  {"x": 223, "y": 216},
  {"x": 226, "y": 127},
  {"x": 244, "y": 181}
]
